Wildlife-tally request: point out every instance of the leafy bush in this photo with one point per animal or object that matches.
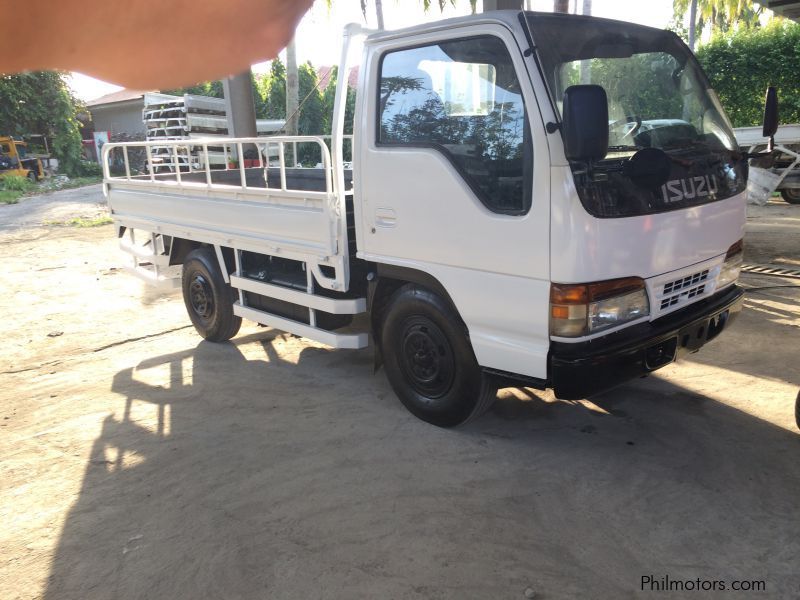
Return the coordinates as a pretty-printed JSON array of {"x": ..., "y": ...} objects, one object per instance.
[
  {"x": 741, "y": 64},
  {"x": 15, "y": 183},
  {"x": 41, "y": 102},
  {"x": 88, "y": 168}
]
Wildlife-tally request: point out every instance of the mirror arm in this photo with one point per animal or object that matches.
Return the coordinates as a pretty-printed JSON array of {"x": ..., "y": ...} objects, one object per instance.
[{"x": 768, "y": 152}]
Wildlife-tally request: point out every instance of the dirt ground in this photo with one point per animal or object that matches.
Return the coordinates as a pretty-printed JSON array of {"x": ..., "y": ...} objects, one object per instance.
[{"x": 141, "y": 462}]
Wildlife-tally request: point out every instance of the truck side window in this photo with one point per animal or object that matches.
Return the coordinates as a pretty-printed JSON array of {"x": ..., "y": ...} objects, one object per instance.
[{"x": 462, "y": 98}]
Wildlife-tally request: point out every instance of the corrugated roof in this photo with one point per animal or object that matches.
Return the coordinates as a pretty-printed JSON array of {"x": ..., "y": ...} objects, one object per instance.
[{"x": 120, "y": 96}]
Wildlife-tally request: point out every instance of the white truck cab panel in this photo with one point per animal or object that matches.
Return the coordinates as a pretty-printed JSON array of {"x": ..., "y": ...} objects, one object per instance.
[
  {"x": 495, "y": 266},
  {"x": 585, "y": 248}
]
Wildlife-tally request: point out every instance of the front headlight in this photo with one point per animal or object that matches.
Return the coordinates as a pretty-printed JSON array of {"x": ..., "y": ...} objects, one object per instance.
[
  {"x": 619, "y": 309},
  {"x": 732, "y": 266},
  {"x": 583, "y": 309}
]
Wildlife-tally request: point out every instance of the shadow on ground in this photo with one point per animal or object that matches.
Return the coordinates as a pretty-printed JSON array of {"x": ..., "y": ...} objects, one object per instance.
[{"x": 312, "y": 481}]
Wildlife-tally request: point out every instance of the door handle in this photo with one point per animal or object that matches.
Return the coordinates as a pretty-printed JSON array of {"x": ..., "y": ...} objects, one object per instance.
[{"x": 385, "y": 217}]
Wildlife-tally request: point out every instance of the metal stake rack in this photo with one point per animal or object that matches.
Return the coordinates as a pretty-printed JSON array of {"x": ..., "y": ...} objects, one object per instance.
[{"x": 190, "y": 117}]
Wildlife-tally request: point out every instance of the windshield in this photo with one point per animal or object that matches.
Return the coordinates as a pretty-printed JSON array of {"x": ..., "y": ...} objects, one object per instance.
[{"x": 670, "y": 144}]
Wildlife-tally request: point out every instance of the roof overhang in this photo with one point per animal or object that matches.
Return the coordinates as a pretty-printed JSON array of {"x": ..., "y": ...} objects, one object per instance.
[
  {"x": 785, "y": 8},
  {"x": 135, "y": 102}
]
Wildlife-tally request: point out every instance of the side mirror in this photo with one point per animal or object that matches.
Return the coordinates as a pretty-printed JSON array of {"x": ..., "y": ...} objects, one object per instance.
[
  {"x": 585, "y": 122},
  {"x": 770, "y": 116}
]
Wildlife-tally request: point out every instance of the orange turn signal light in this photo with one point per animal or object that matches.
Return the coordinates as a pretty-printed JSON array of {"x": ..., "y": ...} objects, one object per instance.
[
  {"x": 559, "y": 311},
  {"x": 584, "y": 293},
  {"x": 568, "y": 293}
]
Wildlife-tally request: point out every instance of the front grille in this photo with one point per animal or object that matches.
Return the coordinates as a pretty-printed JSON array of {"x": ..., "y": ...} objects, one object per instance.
[
  {"x": 680, "y": 291},
  {"x": 685, "y": 295},
  {"x": 684, "y": 282}
]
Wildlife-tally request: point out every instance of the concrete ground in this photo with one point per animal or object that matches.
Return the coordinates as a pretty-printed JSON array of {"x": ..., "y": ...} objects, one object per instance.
[{"x": 141, "y": 462}]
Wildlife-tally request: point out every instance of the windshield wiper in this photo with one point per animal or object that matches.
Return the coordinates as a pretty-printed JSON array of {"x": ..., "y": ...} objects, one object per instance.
[{"x": 623, "y": 148}]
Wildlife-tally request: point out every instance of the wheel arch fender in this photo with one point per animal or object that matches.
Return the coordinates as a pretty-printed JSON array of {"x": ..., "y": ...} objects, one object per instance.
[
  {"x": 181, "y": 247},
  {"x": 386, "y": 281}
]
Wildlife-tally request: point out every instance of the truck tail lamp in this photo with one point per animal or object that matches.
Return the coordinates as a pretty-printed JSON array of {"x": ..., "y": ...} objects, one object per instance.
[
  {"x": 578, "y": 309},
  {"x": 732, "y": 265}
]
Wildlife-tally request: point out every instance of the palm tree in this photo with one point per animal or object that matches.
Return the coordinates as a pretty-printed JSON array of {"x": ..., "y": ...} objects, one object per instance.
[
  {"x": 586, "y": 65},
  {"x": 426, "y": 4},
  {"x": 714, "y": 13},
  {"x": 292, "y": 88},
  {"x": 378, "y": 11},
  {"x": 692, "y": 24}
]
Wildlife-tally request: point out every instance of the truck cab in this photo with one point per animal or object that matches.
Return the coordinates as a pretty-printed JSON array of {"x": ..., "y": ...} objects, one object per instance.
[{"x": 535, "y": 199}]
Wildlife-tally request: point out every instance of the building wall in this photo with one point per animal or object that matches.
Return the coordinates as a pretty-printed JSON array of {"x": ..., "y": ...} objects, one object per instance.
[{"x": 119, "y": 118}]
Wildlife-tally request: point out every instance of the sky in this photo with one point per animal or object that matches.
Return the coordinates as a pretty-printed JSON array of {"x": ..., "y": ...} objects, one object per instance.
[{"x": 318, "y": 34}]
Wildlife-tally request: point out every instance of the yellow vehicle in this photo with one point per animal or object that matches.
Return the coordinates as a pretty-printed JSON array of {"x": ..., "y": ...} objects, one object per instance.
[{"x": 14, "y": 160}]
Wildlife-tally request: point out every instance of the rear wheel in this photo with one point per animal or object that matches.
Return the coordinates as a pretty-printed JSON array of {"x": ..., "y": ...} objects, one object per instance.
[
  {"x": 791, "y": 195},
  {"x": 208, "y": 299},
  {"x": 429, "y": 360}
]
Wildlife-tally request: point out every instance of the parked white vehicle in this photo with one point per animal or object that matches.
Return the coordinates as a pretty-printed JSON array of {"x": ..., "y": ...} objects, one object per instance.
[
  {"x": 776, "y": 171},
  {"x": 501, "y": 225}
]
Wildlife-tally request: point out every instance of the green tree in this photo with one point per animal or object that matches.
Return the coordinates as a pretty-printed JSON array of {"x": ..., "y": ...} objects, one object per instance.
[
  {"x": 719, "y": 15},
  {"x": 328, "y": 100},
  {"x": 742, "y": 63},
  {"x": 41, "y": 102},
  {"x": 204, "y": 88},
  {"x": 311, "y": 120},
  {"x": 271, "y": 87}
]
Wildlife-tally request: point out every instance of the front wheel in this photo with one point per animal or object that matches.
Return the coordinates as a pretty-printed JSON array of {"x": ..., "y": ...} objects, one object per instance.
[
  {"x": 31, "y": 176},
  {"x": 429, "y": 360},
  {"x": 797, "y": 410},
  {"x": 791, "y": 195},
  {"x": 208, "y": 299}
]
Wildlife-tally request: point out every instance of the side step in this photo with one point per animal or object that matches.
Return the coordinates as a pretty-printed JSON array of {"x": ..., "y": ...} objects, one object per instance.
[
  {"x": 352, "y": 341},
  {"x": 153, "y": 277},
  {"x": 150, "y": 262},
  {"x": 330, "y": 305},
  {"x": 144, "y": 253}
]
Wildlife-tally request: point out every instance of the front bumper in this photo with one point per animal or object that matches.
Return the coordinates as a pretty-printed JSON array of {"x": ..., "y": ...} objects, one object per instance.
[{"x": 583, "y": 369}]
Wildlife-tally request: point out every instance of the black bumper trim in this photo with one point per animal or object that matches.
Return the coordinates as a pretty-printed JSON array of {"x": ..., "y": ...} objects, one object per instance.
[{"x": 586, "y": 368}]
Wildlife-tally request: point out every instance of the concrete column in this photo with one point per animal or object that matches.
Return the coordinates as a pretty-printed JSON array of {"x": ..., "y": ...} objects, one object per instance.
[
  {"x": 503, "y": 5},
  {"x": 239, "y": 106},
  {"x": 561, "y": 6}
]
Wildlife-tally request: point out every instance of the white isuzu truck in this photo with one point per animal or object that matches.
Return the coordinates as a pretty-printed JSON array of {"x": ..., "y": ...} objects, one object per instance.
[{"x": 535, "y": 200}]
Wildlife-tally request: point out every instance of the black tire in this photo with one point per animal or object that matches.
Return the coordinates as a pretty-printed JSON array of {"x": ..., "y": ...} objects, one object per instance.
[
  {"x": 208, "y": 299},
  {"x": 32, "y": 176},
  {"x": 797, "y": 410},
  {"x": 791, "y": 195},
  {"x": 429, "y": 360}
]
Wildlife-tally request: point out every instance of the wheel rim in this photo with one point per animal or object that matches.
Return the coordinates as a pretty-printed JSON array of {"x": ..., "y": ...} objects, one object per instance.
[
  {"x": 427, "y": 359},
  {"x": 201, "y": 297},
  {"x": 793, "y": 193}
]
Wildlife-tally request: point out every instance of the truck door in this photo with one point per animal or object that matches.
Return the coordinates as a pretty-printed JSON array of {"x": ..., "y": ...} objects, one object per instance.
[{"x": 453, "y": 180}]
